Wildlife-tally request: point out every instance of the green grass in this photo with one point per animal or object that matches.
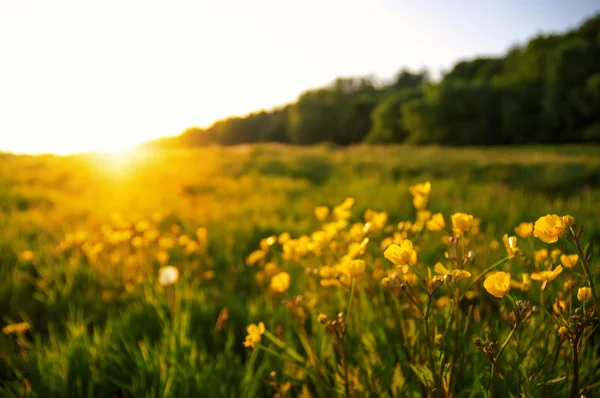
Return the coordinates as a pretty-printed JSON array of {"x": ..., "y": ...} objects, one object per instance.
[{"x": 92, "y": 335}]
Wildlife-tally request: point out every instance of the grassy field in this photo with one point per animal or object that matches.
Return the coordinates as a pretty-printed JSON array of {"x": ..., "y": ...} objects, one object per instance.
[{"x": 83, "y": 239}]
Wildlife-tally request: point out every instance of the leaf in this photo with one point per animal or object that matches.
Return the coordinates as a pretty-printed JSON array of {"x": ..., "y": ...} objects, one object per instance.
[
  {"x": 398, "y": 379},
  {"x": 424, "y": 374},
  {"x": 552, "y": 381}
]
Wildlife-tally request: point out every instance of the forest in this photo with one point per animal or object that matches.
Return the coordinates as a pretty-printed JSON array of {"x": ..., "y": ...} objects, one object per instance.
[{"x": 546, "y": 91}]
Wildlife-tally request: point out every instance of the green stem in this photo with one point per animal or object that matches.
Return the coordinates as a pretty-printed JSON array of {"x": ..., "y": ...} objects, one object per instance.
[
  {"x": 352, "y": 288},
  {"x": 492, "y": 377},
  {"x": 283, "y": 346},
  {"x": 586, "y": 270},
  {"x": 575, "y": 358},
  {"x": 514, "y": 329}
]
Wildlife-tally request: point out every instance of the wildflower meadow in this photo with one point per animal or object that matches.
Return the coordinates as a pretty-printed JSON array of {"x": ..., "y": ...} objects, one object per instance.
[{"x": 275, "y": 271}]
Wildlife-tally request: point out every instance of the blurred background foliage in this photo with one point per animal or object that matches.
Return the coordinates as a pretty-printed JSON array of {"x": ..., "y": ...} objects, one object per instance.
[{"x": 544, "y": 91}]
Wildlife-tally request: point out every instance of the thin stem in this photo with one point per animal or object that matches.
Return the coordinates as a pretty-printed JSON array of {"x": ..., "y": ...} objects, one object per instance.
[
  {"x": 492, "y": 377},
  {"x": 514, "y": 329},
  {"x": 352, "y": 288},
  {"x": 575, "y": 358},
  {"x": 584, "y": 266},
  {"x": 456, "y": 324}
]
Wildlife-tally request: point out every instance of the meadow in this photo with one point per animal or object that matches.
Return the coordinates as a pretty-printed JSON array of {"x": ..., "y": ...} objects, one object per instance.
[{"x": 314, "y": 271}]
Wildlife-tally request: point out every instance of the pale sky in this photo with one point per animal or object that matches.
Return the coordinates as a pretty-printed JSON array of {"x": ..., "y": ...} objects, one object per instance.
[{"x": 107, "y": 75}]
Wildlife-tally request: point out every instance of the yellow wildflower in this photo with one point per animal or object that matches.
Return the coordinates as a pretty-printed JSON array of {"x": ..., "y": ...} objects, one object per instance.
[
  {"x": 497, "y": 284},
  {"x": 419, "y": 202},
  {"x": 569, "y": 260},
  {"x": 210, "y": 274},
  {"x": 511, "y": 245},
  {"x": 254, "y": 334},
  {"x": 547, "y": 276},
  {"x": 322, "y": 319},
  {"x": 321, "y": 212},
  {"x": 255, "y": 256},
  {"x": 421, "y": 189},
  {"x": 165, "y": 242},
  {"x": 524, "y": 230},
  {"x": 555, "y": 254},
  {"x": 584, "y": 294},
  {"x": 549, "y": 228},
  {"x": 541, "y": 255},
  {"x": 457, "y": 274},
  {"x": 461, "y": 222},
  {"x": 559, "y": 306},
  {"x": 202, "y": 235},
  {"x": 280, "y": 282},
  {"x": 183, "y": 240},
  {"x": 142, "y": 226},
  {"x": 524, "y": 285},
  {"x": 17, "y": 328},
  {"x": 162, "y": 257},
  {"x": 568, "y": 221},
  {"x": 401, "y": 255},
  {"x": 436, "y": 223},
  {"x": 26, "y": 255},
  {"x": 355, "y": 267},
  {"x": 284, "y": 237},
  {"x": 494, "y": 244}
]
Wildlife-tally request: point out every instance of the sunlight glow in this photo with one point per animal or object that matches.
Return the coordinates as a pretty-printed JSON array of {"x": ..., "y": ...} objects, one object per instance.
[{"x": 106, "y": 76}]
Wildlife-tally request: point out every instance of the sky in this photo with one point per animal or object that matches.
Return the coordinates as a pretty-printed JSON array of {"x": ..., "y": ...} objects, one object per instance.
[{"x": 78, "y": 76}]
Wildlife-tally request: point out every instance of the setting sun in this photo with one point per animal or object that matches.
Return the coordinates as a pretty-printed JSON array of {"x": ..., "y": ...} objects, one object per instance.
[{"x": 106, "y": 76}]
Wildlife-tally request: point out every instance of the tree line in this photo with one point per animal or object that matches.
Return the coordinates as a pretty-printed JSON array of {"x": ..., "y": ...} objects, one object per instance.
[{"x": 546, "y": 91}]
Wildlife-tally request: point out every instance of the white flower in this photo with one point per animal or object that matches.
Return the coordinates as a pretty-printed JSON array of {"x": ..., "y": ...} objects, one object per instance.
[{"x": 168, "y": 275}]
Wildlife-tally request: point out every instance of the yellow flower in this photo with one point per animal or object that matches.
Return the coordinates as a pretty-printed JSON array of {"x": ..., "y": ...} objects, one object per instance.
[
  {"x": 524, "y": 286},
  {"x": 280, "y": 282},
  {"x": 494, "y": 245},
  {"x": 559, "y": 306},
  {"x": 355, "y": 267},
  {"x": 497, "y": 284},
  {"x": 255, "y": 256},
  {"x": 401, "y": 255},
  {"x": 563, "y": 331},
  {"x": 457, "y": 274},
  {"x": 168, "y": 275},
  {"x": 26, "y": 255},
  {"x": 421, "y": 189},
  {"x": 162, "y": 257},
  {"x": 461, "y": 222},
  {"x": 284, "y": 237},
  {"x": 549, "y": 228},
  {"x": 541, "y": 255},
  {"x": 322, "y": 319},
  {"x": 568, "y": 221},
  {"x": 524, "y": 230},
  {"x": 511, "y": 245},
  {"x": 584, "y": 294},
  {"x": 569, "y": 260},
  {"x": 321, "y": 212},
  {"x": 555, "y": 254},
  {"x": 254, "y": 334},
  {"x": 419, "y": 202},
  {"x": 17, "y": 328},
  {"x": 547, "y": 276},
  {"x": 436, "y": 223},
  {"x": 165, "y": 242},
  {"x": 202, "y": 235}
]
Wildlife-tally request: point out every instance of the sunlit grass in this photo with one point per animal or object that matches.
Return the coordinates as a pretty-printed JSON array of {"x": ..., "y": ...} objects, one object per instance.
[{"x": 81, "y": 253}]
